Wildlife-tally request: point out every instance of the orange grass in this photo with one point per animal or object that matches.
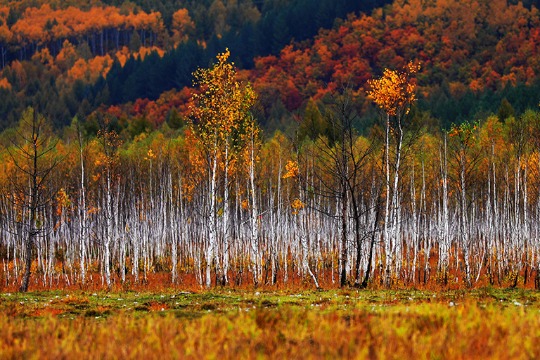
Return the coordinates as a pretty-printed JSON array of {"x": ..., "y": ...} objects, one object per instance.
[{"x": 245, "y": 325}]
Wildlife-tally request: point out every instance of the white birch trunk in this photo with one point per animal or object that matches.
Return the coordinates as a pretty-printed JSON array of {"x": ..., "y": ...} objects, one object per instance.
[
  {"x": 108, "y": 229},
  {"x": 225, "y": 221},
  {"x": 212, "y": 231},
  {"x": 387, "y": 238},
  {"x": 256, "y": 261}
]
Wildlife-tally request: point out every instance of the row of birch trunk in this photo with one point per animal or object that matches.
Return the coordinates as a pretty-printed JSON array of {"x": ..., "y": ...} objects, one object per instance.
[{"x": 341, "y": 213}]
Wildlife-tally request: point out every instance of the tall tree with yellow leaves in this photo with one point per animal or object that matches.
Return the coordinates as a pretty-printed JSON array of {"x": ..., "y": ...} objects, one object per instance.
[
  {"x": 220, "y": 109},
  {"x": 394, "y": 94}
]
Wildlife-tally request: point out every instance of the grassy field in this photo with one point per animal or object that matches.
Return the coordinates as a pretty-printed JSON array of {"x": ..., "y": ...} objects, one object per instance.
[{"x": 222, "y": 324}]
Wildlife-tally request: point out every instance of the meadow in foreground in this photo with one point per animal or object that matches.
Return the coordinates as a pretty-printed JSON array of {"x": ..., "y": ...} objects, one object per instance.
[{"x": 228, "y": 323}]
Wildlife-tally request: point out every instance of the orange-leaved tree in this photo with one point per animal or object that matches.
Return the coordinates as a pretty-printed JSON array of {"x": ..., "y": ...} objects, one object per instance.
[{"x": 394, "y": 93}]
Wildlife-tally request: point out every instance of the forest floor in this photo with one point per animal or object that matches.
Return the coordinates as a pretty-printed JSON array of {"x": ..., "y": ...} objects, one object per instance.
[{"x": 228, "y": 323}]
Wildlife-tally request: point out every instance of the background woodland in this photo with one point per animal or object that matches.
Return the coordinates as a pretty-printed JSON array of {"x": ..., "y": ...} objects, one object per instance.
[{"x": 241, "y": 142}]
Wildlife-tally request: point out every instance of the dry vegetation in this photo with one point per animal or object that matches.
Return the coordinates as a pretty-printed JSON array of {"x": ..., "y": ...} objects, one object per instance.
[{"x": 228, "y": 323}]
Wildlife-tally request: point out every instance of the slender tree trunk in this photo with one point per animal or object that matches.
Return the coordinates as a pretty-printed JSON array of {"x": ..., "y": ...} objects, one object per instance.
[
  {"x": 464, "y": 223},
  {"x": 108, "y": 229},
  {"x": 222, "y": 267},
  {"x": 359, "y": 239},
  {"x": 344, "y": 235},
  {"x": 374, "y": 232},
  {"x": 445, "y": 263},
  {"x": 29, "y": 244},
  {"x": 34, "y": 196},
  {"x": 82, "y": 214},
  {"x": 212, "y": 231},
  {"x": 387, "y": 239},
  {"x": 257, "y": 271},
  {"x": 396, "y": 207}
]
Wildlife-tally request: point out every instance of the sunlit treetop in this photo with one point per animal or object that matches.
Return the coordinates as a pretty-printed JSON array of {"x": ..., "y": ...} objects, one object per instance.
[
  {"x": 394, "y": 91},
  {"x": 223, "y": 102}
]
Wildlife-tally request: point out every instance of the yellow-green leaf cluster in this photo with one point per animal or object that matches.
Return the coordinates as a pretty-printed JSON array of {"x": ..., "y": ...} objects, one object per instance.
[{"x": 222, "y": 104}]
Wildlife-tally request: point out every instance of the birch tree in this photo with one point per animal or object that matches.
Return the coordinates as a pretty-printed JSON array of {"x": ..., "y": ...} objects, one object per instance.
[
  {"x": 394, "y": 93},
  {"x": 252, "y": 141},
  {"x": 219, "y": 110},
  {"x": 463, "y": 142},
  {"x": 108, "y": 164}
]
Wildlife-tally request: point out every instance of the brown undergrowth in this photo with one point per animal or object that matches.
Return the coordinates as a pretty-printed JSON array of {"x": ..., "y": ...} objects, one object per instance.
[{"x": 160, "y": 281}]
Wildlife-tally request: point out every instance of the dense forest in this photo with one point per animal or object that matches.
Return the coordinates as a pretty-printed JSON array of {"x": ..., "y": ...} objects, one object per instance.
[
  {"x": 68, "y": 59},
  {"x": 230, "y": 142}
]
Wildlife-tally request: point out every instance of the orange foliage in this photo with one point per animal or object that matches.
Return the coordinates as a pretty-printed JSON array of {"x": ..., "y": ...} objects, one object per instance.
[
  {"x": 291, "y": 170},
  {"x": 448, "y": 37},
  {"x": 43, "y": 24},
  {"x": 395, "y": 91},
  {"x": 144, "y": 51},
  {"x": 90, "y": 70},
  {"x": 296, "y": 206},
  {"x": 62, "y": 201},
  {"x": 123, "y": 55},
  {"x": 44, "y": 56},
  {"x": 19, "y": 72},
  {"x": 5, "y": 32},
  {"x": 155, "y": 111},
  {"x": 182, "y": 25},
  {"x": 4, "y": 84},
  {"x": 67, "y": 56}
]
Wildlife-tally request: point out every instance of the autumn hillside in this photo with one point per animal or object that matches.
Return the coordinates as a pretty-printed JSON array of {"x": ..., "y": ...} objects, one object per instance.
[
  {"x": 134, "y": 60},
  {"x": 473, "y": 54},
  {"x": 70, "y": 57}
]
